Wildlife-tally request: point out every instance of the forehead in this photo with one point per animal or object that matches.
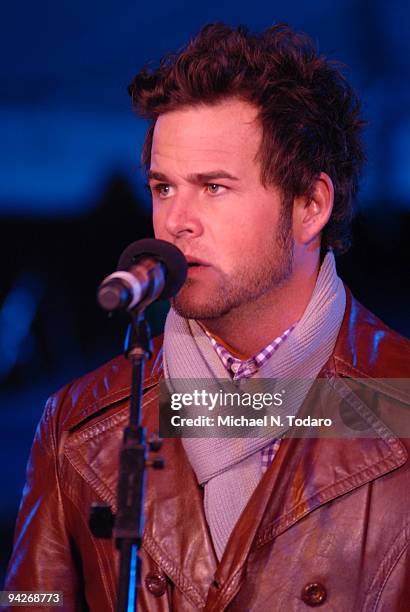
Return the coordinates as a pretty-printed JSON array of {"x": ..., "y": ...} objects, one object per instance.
[{"x": 227, "y": 131}]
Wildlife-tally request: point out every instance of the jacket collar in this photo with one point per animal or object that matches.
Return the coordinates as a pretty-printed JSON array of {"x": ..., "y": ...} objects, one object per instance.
[
  {"x": 366, "y": 348},
  {"x": 108, "y": 386}
]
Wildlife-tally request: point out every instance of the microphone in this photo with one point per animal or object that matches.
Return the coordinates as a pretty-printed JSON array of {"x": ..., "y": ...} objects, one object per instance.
[{"x": 147, "y": 270}]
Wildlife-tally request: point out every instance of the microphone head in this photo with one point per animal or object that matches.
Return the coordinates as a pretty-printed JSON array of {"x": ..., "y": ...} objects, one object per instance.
[{"x": 174, "y": 262}]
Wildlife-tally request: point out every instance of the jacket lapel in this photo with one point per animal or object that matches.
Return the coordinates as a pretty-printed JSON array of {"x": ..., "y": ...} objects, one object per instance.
[{"x": 173, "y": 497}]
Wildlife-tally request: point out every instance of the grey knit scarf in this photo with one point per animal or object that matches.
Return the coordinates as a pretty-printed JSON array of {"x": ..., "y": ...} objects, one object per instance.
[{"x": 230, "y": 468}]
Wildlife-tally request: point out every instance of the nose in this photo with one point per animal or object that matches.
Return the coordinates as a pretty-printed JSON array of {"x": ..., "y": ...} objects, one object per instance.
[{"x": 178, "y": 218}]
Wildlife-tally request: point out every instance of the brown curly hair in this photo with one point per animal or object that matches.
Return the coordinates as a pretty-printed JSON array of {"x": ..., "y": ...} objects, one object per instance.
[{"x": 310, "y": 115}]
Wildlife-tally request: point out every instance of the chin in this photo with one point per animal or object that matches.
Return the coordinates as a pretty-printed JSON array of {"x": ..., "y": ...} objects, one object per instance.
[
  {"x": 208, "y": 307},
  {"x": 191, "y": 306},
  {"x": 191, "y": 309}
]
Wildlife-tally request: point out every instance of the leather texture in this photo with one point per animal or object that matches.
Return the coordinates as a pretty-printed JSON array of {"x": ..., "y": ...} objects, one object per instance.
[{"x": 328, "y": 525}]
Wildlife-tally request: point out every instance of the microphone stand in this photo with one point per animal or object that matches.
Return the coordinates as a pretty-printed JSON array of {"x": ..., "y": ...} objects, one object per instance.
[{"x": 127, "y": 524}]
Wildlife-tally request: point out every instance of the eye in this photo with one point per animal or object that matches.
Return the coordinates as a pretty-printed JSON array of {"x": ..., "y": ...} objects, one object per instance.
[
  {"x": 162, "y": 189},
  {"x": 214, "y": 188}
]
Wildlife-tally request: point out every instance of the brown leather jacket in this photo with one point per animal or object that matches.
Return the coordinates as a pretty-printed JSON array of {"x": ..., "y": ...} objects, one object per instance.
[{"x": 329, "y": 524}]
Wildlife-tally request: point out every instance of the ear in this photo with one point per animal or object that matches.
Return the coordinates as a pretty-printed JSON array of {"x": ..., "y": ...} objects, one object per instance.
[{"x": 311, "y": 216}]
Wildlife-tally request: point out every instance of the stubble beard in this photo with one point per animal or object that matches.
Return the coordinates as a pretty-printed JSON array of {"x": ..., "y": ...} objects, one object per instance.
[{"x": 249, "y": 283}]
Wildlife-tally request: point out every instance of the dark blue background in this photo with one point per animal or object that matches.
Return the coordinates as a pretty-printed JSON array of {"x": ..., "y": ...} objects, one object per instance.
[{"x": 72, "y": 193}]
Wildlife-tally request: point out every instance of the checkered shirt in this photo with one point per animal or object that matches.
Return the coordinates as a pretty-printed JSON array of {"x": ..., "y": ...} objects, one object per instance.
[{"x": 239, "y": 370}]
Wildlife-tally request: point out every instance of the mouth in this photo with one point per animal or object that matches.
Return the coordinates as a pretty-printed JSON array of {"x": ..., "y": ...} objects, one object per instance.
[
  {"x": 196, "y": 263},
  {"x": 196, "y": 266}
]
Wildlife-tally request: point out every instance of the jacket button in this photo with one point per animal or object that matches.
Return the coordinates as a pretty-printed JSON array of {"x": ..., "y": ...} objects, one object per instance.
[
  {"x": 156, "y": 584},
  {"x": 314, "y": 594}
]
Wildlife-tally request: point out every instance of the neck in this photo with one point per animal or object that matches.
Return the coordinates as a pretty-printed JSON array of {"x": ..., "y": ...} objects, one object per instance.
[{"x": 246, "y": 330}]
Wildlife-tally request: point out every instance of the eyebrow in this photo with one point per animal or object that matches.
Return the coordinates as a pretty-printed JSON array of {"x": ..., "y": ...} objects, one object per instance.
[{"x": 198, "y": 177}]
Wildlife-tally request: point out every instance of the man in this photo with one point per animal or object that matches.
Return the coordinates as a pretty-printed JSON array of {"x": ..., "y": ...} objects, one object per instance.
[{"x": 253, "y": 157}]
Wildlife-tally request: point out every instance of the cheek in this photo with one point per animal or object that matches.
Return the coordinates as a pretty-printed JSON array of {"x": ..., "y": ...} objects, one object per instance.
[
  {"x": 246, "y": 239},
  {"x": 158, "y": 223},
  {"x": 247, "y": 232},
  {"x": 233, "y": 244}
]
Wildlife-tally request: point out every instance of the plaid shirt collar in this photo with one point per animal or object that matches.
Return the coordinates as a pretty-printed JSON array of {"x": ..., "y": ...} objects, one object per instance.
[{"x": 239, "y": 369}]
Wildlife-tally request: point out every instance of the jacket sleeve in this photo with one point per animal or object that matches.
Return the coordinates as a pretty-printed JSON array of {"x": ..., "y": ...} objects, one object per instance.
[{"x": 43, "y": 557}]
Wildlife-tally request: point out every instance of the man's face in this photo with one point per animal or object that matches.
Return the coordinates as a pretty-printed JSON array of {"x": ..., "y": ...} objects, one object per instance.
[{"x": 208, "y": 200}]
